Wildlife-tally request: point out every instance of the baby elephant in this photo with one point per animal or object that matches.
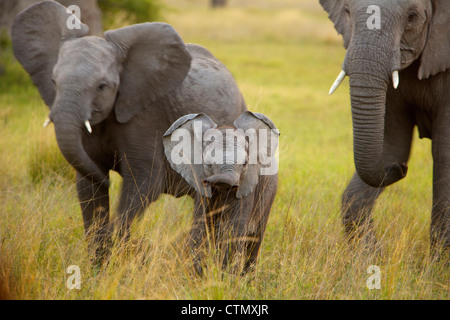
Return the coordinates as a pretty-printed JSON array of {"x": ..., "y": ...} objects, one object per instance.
[{"x": 234, "y": 172}]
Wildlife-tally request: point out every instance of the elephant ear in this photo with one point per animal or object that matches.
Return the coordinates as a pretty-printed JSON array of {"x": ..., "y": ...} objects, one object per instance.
[
  {"x": 263, "y": 142},
  {"x": 36, "y": 35},
  {"x": 155, "y": 62},
  {"x": 185, "y": 156},
  {"x": 337, "y": 12},
  {"x": 435, "y": 56}
]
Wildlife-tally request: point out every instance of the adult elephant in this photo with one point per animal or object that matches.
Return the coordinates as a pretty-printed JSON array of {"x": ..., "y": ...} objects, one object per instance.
[
  {"x": 397, "y": 61},
  {"x": 111, "y": 99}
]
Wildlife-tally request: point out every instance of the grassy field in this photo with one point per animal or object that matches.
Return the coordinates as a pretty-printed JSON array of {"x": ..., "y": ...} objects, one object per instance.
[{"x": 284, "y": 55}]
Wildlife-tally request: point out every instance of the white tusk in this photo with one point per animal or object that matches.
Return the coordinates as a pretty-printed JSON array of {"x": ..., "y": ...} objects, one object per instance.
[
  {"x": 47, "y": 122},
  {"x": 395, "y": 79},
  {"x": 337, "y": 83},
  {"x": 88, "y": 126}
]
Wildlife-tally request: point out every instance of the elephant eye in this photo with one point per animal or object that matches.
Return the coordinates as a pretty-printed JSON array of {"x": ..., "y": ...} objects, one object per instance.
[
  {"x": 346, "y": 9},
  {"x": 101, "y": 86},
  {"x": 412, "y": 19},
  {"x": 53, "y": 81}
]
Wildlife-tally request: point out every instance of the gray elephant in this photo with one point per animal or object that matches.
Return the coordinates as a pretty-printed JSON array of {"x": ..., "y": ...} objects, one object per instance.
[
  {"x": 111, "y": 99},
  {"x": 397, "y": 61},
  {"x": 234, "y": 172}
]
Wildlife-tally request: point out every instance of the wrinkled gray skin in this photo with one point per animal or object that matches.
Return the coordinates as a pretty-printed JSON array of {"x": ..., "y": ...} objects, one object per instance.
[
  {"x": 414, "y": 39},
  {"x": 233, "y": 199},
  {"x": 131, "y": 86}
]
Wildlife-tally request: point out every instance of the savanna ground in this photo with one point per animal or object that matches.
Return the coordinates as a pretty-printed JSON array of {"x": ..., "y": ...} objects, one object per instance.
[{"x": 284, "y": 56}]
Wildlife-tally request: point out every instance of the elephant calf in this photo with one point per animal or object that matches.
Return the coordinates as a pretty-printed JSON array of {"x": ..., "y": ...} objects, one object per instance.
[{"x": 233, "y": 171}]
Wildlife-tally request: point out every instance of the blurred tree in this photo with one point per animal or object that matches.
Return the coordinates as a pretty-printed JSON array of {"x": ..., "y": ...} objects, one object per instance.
[
  {"x": 119, "y": 13},
  {"x": 218, "y": 3}
]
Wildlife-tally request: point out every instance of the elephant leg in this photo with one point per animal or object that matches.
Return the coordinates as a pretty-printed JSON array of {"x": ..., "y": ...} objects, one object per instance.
[
  {"x": 440, "y": 215},
  {"x": 253, "y": 242},
  {"x": 358, "y": 199},
  {"x": 267, "y": 191},
  {"x": 203, "y": 227},
  {"x": 94, "y": 202},
  {"x": 142, "y": 184},
  {"x": 236, "y": 239},
  {"x": 136, "y": 195}
]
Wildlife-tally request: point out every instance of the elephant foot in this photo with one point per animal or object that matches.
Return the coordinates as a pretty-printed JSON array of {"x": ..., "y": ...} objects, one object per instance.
[
  {"x": 440, "y": 254},
  {"x": 101, "y": 254},
  {"x": 363, "y": 238},
  {"x": 198, "y": 269},
  {"x": 249, "y": 267},
  {"x": 197, "y": 262}
]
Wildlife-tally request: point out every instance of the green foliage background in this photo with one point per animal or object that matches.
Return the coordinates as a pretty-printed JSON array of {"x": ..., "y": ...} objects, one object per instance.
[{"x": 131, "y": 11}]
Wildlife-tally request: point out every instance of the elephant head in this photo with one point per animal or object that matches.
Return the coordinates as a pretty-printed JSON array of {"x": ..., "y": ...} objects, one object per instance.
[
  {"x": 82, "y": 79},
  {"x": 408, "y": 31},
  {"x": 221, "y": 158}
]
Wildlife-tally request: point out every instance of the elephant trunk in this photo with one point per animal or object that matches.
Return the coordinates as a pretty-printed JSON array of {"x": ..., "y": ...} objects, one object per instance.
[
  {"x": 68, "y": 118},
  {"x": 369, "y": 79},
  {"x": 227, "y": 179}
]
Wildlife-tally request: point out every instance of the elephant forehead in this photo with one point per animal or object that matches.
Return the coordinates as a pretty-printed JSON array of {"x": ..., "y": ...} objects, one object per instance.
[
  {"x": 92, "y": 51},
  {"x": 225, "y": 143},
  {"x": 226, "y": 136},
  {"x": 382, "y": 3}
]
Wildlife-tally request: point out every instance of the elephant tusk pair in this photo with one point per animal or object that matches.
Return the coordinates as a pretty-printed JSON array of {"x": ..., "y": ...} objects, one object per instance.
[
  {"x": 87, "y": 124},
  {"x": 341, "y": 76}
]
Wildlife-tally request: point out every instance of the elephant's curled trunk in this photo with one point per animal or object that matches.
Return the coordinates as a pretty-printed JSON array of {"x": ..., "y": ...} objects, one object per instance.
[
  {"x": 69, "y": 126},
  {"x": 369, "y": 80},
  {"x": 228, "y": 178}
]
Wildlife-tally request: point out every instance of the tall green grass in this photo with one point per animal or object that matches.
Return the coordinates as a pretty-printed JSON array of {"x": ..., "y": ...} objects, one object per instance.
[{"x": 284, "y": 56}]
